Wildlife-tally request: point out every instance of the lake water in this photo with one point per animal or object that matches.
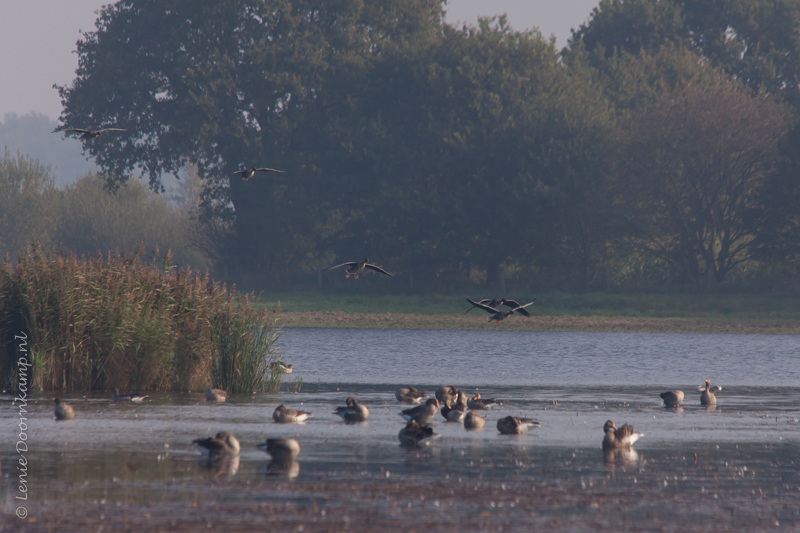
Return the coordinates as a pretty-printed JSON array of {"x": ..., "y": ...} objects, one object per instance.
[{"x": 737, "y": 465}]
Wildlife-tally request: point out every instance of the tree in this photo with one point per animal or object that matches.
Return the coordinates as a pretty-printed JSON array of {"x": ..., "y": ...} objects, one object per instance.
[
  {"x": 755, "y": 41},
  {"x": 693, "y": 167}
]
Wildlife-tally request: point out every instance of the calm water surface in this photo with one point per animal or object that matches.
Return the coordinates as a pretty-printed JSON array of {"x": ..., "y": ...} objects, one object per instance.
[{"x": 570, "y": 382}]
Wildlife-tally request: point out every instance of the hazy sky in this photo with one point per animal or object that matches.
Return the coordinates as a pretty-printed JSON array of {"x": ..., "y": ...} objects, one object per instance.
[{"x": 38, "y": 38}]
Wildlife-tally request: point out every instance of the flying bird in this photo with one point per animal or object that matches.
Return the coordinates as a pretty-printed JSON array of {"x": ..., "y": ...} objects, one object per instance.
[
  {"x": 249, "y": 173},
  {"x": 357, "y": 267},
  {"x": 497, "y": 315},
  {"x": 89, "y": 134},
  {"x": 497, "y": 302}
]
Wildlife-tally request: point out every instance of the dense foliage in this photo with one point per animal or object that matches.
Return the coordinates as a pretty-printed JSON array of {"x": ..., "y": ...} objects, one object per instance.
[
  {"x": 117, "y": 321},
  {"x": 659, "y": 146}
]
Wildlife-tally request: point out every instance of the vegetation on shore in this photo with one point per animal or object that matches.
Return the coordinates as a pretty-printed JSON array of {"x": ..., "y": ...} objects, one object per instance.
[
  {"x": 118, "y": 321},
  {"x": 673, "y": 312}
]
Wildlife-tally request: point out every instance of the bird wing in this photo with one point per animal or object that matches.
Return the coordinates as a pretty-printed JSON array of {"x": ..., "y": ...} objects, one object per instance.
[
  {"x": 626, "y": 434},
  {"x": 484, "y": 301},
  {"x": 716, "y": 388},
  {"x": 414, "y": 411},
  {"x": 265, "y": 169},
  {"x": 245, "y": 171},
  {"x": 377, "y": 269},
  {"x": 483, "y": 306},
  {"x": 521, "y": 308},
  {"x": 110, "y": 129},
  {"x": 79, "y": 130},
  {"x": 351, "y": 263}
]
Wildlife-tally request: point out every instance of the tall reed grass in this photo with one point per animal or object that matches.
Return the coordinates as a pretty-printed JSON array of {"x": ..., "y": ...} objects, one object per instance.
[{"x": 118, "y": 320}]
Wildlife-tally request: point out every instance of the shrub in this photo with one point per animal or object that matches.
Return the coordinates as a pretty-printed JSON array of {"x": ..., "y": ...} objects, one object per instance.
[{"x": 97, "y": 322}]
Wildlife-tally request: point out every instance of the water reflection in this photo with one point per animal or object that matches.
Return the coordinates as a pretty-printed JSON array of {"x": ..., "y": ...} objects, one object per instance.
[
  {"x": 224, "y": 467},
  {"x": 286, "y": 468}
]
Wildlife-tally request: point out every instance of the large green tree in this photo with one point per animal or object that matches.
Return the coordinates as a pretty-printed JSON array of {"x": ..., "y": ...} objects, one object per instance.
[{"x": 693, "y": 168}]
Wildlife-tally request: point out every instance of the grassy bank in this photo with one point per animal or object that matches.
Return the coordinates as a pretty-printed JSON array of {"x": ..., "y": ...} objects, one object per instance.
[
  {"x": 121, "y": 322},
  {"x": 717, "y": 312}
]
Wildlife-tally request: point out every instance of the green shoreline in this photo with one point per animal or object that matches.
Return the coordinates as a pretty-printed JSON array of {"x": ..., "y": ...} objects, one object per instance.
[{"x": 335, "y": 319}]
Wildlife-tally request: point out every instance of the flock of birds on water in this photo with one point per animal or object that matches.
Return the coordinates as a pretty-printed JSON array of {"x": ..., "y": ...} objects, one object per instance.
[
  {"x": 452, "y": 403},
  {"x": 223, "y": 448}
]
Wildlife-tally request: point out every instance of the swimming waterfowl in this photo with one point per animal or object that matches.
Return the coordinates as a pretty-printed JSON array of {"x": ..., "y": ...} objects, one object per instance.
[
  {"x": 353, "y": 412},
  {"x": 282, "y": 415},
  {"x": 216, "y": 395},
  {"x": 281, "y": 449},
  {"x": 422, "y": 414},
  {"x": 447, "y": 394},
  {"x": 64, "y": 411},
  {"x": 280, "y": 365},
  {"x": 222, "y": 444},
  {"x": 89, "y": 134},
  {"x": 672, "y": 398},
  {"x": 458, "y": 411},
  {"x": 514, "y": 425},
  {"x": 474, "y": 420},
  {"x": 476, "y": 402},
  {"x": 409, "y": 395},
  {"x": 497, "y": 315},
  {"x": 497, "y": 302},
  {"x": 708, "y": 398},
  {"x": 357, "y": 267},
  {"x": 415, "y": 434},
  {"x": 619, "y": 438},
  {"x": 246, "y": 174},
  {"x": 126, "y": 397}
]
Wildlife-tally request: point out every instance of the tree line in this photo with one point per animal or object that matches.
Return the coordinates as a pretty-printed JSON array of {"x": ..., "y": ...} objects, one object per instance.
[{"x": 660, "y": 147}]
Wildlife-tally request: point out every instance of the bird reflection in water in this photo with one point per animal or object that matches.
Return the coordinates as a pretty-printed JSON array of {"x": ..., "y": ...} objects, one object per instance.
[
  {"x": 284, "y": 467},
  {"x": 225, "y": 466}
]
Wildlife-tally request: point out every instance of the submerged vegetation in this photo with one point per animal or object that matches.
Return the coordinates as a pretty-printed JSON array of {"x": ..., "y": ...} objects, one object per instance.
[{"x": 120, "y": 321}]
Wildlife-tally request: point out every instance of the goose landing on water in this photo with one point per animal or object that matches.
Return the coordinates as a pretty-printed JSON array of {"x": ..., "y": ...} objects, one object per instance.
[
  {"x": 357, "y": 267},
  {"x": 216, "y": 395},
  {"x": 497, "y": 302},
  {"x": 497, "y": 315}
]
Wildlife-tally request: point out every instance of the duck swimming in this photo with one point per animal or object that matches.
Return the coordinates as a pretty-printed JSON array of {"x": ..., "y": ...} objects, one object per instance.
[
  {"x": 281, "y": 449},
  {"x": 282, "y": 415},
  {"x": 353, "y": 411},
  {"x": 63, "y": 411},
  {"x": 216, "y": 395},
  {"x": 421, "y": 414},
  {"x": 126, "y": 397},
  {"x": 476, "y": 402},
  {"x": 474, "y": 420},
  {"x": 415, "y": 434},
  {"x": 672, "y": 398},
  {"x": 280, "y": 365},
  {"x": 513, "y": 425},
  {"x": 357, "y": 267},
  {"x": 222, "y": 444},
  {"x": 409, "y": 395}
]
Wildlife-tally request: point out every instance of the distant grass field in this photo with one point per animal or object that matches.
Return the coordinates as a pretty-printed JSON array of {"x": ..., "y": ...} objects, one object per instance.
[
  {"x": 716, "y": 312},
  {"x": 744, "y": 306}
]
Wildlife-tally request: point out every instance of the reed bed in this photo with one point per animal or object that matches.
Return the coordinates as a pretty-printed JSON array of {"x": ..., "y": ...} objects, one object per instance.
[{"x": 117, "y": 320}]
